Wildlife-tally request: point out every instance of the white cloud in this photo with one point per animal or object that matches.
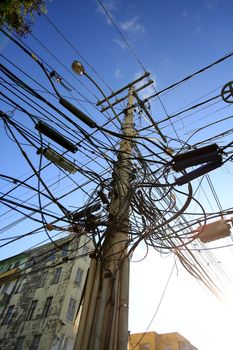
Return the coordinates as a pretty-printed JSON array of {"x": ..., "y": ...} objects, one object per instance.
[
  {"x": 149, "y": 90},
  {"x": 110, "y": 5},
  {"x": 120, "y": 43},
  {"x": 166, "y": 60},
  {"x": 184, "y": 14},
  {"x": 118, "y": 73},
  {"x": 198, "y": 29},
  {"x": 198, "y": 25},
  {"x": 132, "y": 26},
  {"x": 211, "y": 4}
]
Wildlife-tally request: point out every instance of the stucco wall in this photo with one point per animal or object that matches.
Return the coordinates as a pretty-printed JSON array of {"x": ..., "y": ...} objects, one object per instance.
[{"x": 54, "y": 328}]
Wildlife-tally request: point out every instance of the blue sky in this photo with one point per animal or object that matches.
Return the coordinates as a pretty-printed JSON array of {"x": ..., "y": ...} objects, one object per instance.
[{"x": 171, "y": 40}]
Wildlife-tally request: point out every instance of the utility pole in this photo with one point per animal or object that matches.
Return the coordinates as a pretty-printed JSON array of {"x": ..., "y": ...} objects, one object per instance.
[{"x": 104, "y": 316}]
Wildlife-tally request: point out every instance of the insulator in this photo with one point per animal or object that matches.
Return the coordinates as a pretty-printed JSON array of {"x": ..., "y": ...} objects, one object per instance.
[
  {"x": 196, "y": 152},
  {"x": 199, "y": 172},
  {"x": 55, "y": 136},
  {"x": 58, "y": 159},
  {"x": 79, "y": 114},
  {"x": 192, "y": 161}
]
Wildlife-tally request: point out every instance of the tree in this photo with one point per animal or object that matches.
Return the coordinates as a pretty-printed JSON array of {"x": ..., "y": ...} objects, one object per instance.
[{"x": 18, "y": 15}]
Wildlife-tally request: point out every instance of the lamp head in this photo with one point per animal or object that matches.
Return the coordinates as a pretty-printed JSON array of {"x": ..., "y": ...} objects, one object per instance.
[{"x": 78, "y": 67}]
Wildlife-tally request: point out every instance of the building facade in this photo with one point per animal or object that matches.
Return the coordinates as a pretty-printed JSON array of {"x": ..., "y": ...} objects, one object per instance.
[
  {"x": 156, "y": 341},
  {"x": 40, "y": 295}
]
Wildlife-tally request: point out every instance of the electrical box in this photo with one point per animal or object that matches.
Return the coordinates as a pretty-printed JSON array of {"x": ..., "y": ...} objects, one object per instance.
[{"x": 213, "y": 231}]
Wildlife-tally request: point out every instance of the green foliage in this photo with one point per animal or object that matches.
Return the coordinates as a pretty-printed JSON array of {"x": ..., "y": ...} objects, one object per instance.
[{"x": 18, "y": 15}]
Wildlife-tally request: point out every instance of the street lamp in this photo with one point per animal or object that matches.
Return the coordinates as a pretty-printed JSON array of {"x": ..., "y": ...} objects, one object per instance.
[{"x": 78, "y": 68}]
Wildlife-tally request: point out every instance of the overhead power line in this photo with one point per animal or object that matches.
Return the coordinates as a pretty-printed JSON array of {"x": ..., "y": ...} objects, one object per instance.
[{"x": 222, "y": 59}]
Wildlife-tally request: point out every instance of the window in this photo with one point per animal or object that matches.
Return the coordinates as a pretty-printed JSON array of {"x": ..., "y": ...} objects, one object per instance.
[
  {"x": 1, "y": 310},
  {"x": 20, "y": 285},
  {"x": 31, "y": 310},
  {"x": 42, "y": 279},
  {"x": 168, "y": 347},
  {"x": 8, "y": 288},
  {"x": 30, "y": 263},
  {"x": 57, "y": 274},
  {"x": 144, "y": 346},
  {"x": 78, "y": 277},
  {"x": 19, "y": 343},
  {"x": 183, "y": 345},
  {"x": 35, "y": 342},
  {"x": 71, "y": 309},
  {"x": 65, "y": 249},
  {"x": 16, "y": 264},
  {"x": 63, "y": 343},
  {"x": 85, "y": 251},
  {"x": 47, "y": 306},
  {"x": 9, "y": 315},
  {"x": 51, "y": 255},
  {"x": 5, "y": 288}
]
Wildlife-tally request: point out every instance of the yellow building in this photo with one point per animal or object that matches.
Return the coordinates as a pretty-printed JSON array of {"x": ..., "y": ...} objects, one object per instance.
[
  {"x": 40, "y": 295},
  {"x": 156, "y": 341}
]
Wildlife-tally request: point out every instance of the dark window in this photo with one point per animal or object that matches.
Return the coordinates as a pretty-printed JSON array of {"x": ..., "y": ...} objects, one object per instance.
[
  {"x": 1, "y": 314},
  {"x": 18, "y": 285},
  {"x": 8, "y": 288},
  {"x": 78, "y": 277},
  {"x": 31, "y": 310},
  {"x": 16, "y": 264},
  {"x": 85, "y": 251},
  {"x": 35, "y": 342},
  {"x": 65, "y": 249},
  {"x": 19, "y": 343},
  {"x": 9, "y": 315},
  {"x": 57, "y": 274},
  {"x": 52, "y": 254},
  {"x": 63, "y": 343},
  {"x": 182, "y": 345},
  {"x": 30, "y": 263},
  {"x": 5, "y": 288},
  {"x": 71, "y": 309},
  {"x": 42, "y": 279},
  {"x": 47, "y": 306}
]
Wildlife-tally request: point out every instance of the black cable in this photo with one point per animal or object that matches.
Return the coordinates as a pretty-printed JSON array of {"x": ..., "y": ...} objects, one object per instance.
[{"x": 223, "y": 58}]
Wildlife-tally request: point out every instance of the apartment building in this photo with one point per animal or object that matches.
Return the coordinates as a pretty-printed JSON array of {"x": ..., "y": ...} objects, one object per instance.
[
  {"x": 156, "y": 341},
  {"x": 40, "y": 294}
]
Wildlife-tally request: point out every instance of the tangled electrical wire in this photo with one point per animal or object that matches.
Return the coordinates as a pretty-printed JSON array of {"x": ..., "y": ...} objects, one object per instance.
[{"x": 46, "y": 128}]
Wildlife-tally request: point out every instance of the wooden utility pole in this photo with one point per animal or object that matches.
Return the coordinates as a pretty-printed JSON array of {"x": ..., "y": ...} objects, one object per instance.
[{"x": 104, "y": 316}]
